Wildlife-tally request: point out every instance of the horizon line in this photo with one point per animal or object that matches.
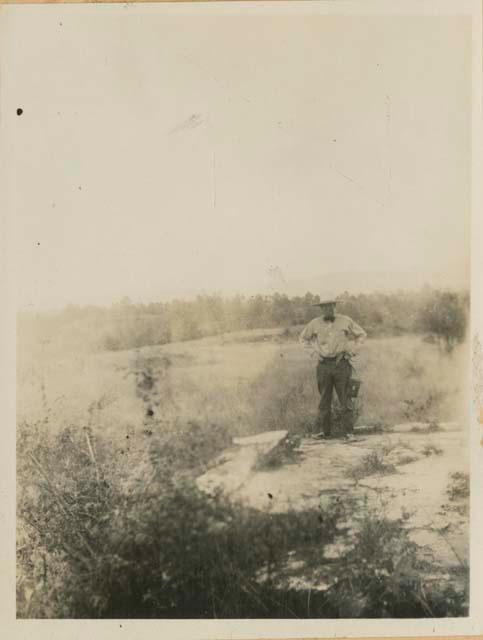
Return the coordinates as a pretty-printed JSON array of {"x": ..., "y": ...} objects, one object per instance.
[{"x": 192, "y": 297}]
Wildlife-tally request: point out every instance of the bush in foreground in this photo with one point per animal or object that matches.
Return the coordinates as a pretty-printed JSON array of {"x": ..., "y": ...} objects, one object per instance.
[
  {"x": 102, "y": 541},
  {"x": 99, "y": 540}
]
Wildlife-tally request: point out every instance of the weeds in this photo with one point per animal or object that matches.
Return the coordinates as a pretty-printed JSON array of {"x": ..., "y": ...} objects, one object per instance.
[
  {"x": 148, "y": 546},
  {"x": 383, "y": 577},
  {"x": 373, "y": 463},
  {"x": 398, "y": 452},
  {"x": 420, "y": 410},
  {"x": 459, "y": 489},
  {"x": 458, "y": 492},
  {"x": 388, "y": 448},
  {"x": 432, "y": 427},
  {"x": 431, "y": 450},
  {"x": 406, "y": 459}
]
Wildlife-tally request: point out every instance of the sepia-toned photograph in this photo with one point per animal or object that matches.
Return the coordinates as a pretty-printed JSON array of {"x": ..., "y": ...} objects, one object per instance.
[{"x": 243, "y": 293}]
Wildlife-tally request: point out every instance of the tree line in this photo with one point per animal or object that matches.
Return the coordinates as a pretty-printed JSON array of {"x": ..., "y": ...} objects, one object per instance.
[{"x": 441, "y": 315}]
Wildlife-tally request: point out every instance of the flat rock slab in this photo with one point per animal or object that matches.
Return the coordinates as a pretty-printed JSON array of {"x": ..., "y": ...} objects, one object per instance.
[
  {"x": 270, "y": 438},
  {"x": 416, "y": 490},
  {"x": 233, "y": 468},
  {"x": 322, "y": 470}
]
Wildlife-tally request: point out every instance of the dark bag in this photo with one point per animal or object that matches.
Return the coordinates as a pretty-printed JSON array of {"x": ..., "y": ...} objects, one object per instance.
[{"x": 354, "y": 386}]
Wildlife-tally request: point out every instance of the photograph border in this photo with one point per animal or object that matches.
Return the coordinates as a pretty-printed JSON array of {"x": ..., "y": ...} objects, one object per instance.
[{"x": 471, "y": 627}]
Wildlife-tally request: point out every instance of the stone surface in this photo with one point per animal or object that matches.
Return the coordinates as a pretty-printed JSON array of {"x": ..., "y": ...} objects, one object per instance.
[
  {"x": 271, "y": 438},
  {"x": 234, "y": 467},
  {"x": 415, "y": 491}
]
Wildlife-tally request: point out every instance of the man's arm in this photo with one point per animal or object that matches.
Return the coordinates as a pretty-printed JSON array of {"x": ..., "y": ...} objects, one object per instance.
[
  {"x": 357, "y": 334},
  {"x": 307, "y": 336}
]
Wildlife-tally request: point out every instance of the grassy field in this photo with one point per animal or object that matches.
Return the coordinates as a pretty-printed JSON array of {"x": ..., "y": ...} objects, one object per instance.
[
  {"x": 248, "y": 382},
  {"x": 109, "y": 444}
]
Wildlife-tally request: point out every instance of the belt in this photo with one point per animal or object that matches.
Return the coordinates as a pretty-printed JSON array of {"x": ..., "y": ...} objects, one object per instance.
[{"x": 324, "y": 358}]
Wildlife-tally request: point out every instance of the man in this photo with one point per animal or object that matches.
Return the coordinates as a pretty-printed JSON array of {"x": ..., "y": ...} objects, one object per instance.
[{"x": 333, "y": 338}]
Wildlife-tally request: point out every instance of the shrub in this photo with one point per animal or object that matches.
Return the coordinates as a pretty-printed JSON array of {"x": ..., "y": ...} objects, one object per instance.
[
  {"x": 432, "y": 450},
  {"x": 458, "y": 492},
  {"x": 420, "y": 410},
  {"x": 102, "y": 539},
  {"x": 371, "y": 464},
  {"x": 382, "y": 576},
  {"x": 110, "y": 543},
  {"x": 459, "y": 487},
  {"x": 445, "y": 316}
]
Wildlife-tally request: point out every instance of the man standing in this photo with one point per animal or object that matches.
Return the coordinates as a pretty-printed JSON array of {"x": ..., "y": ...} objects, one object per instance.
[{"x": 333, "y": 337}]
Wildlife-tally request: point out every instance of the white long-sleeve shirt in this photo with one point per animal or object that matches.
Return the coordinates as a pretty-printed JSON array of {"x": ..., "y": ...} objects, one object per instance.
[{"x": 329, "y": 339}]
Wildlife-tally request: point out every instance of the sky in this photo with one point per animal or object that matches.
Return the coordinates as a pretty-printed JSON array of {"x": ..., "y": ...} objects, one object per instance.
[{"x": 161, "y": 154}]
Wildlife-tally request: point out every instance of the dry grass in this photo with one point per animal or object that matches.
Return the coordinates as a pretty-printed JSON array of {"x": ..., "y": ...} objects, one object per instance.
[
  {"x": 431, "y": 450},
  {"x": 248, "y": 387},
  {"x": 373, "y": 463}
]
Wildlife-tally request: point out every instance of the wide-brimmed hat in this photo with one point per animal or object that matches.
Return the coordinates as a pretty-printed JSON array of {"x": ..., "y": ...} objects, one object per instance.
[{"x": 324, "y": 302}]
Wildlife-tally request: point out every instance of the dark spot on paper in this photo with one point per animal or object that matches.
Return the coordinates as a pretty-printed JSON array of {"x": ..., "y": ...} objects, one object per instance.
[
  {"x": 270, "y": 496},
  {"x": 19, "y": 111},
  {"x": 150, "y": 412},
  {"x": 190, "y": 123},
  {"x": 38, "y": 244}
]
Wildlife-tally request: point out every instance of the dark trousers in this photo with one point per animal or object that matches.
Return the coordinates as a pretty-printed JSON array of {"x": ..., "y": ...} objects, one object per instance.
[{"x": 330, "y": 375}]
